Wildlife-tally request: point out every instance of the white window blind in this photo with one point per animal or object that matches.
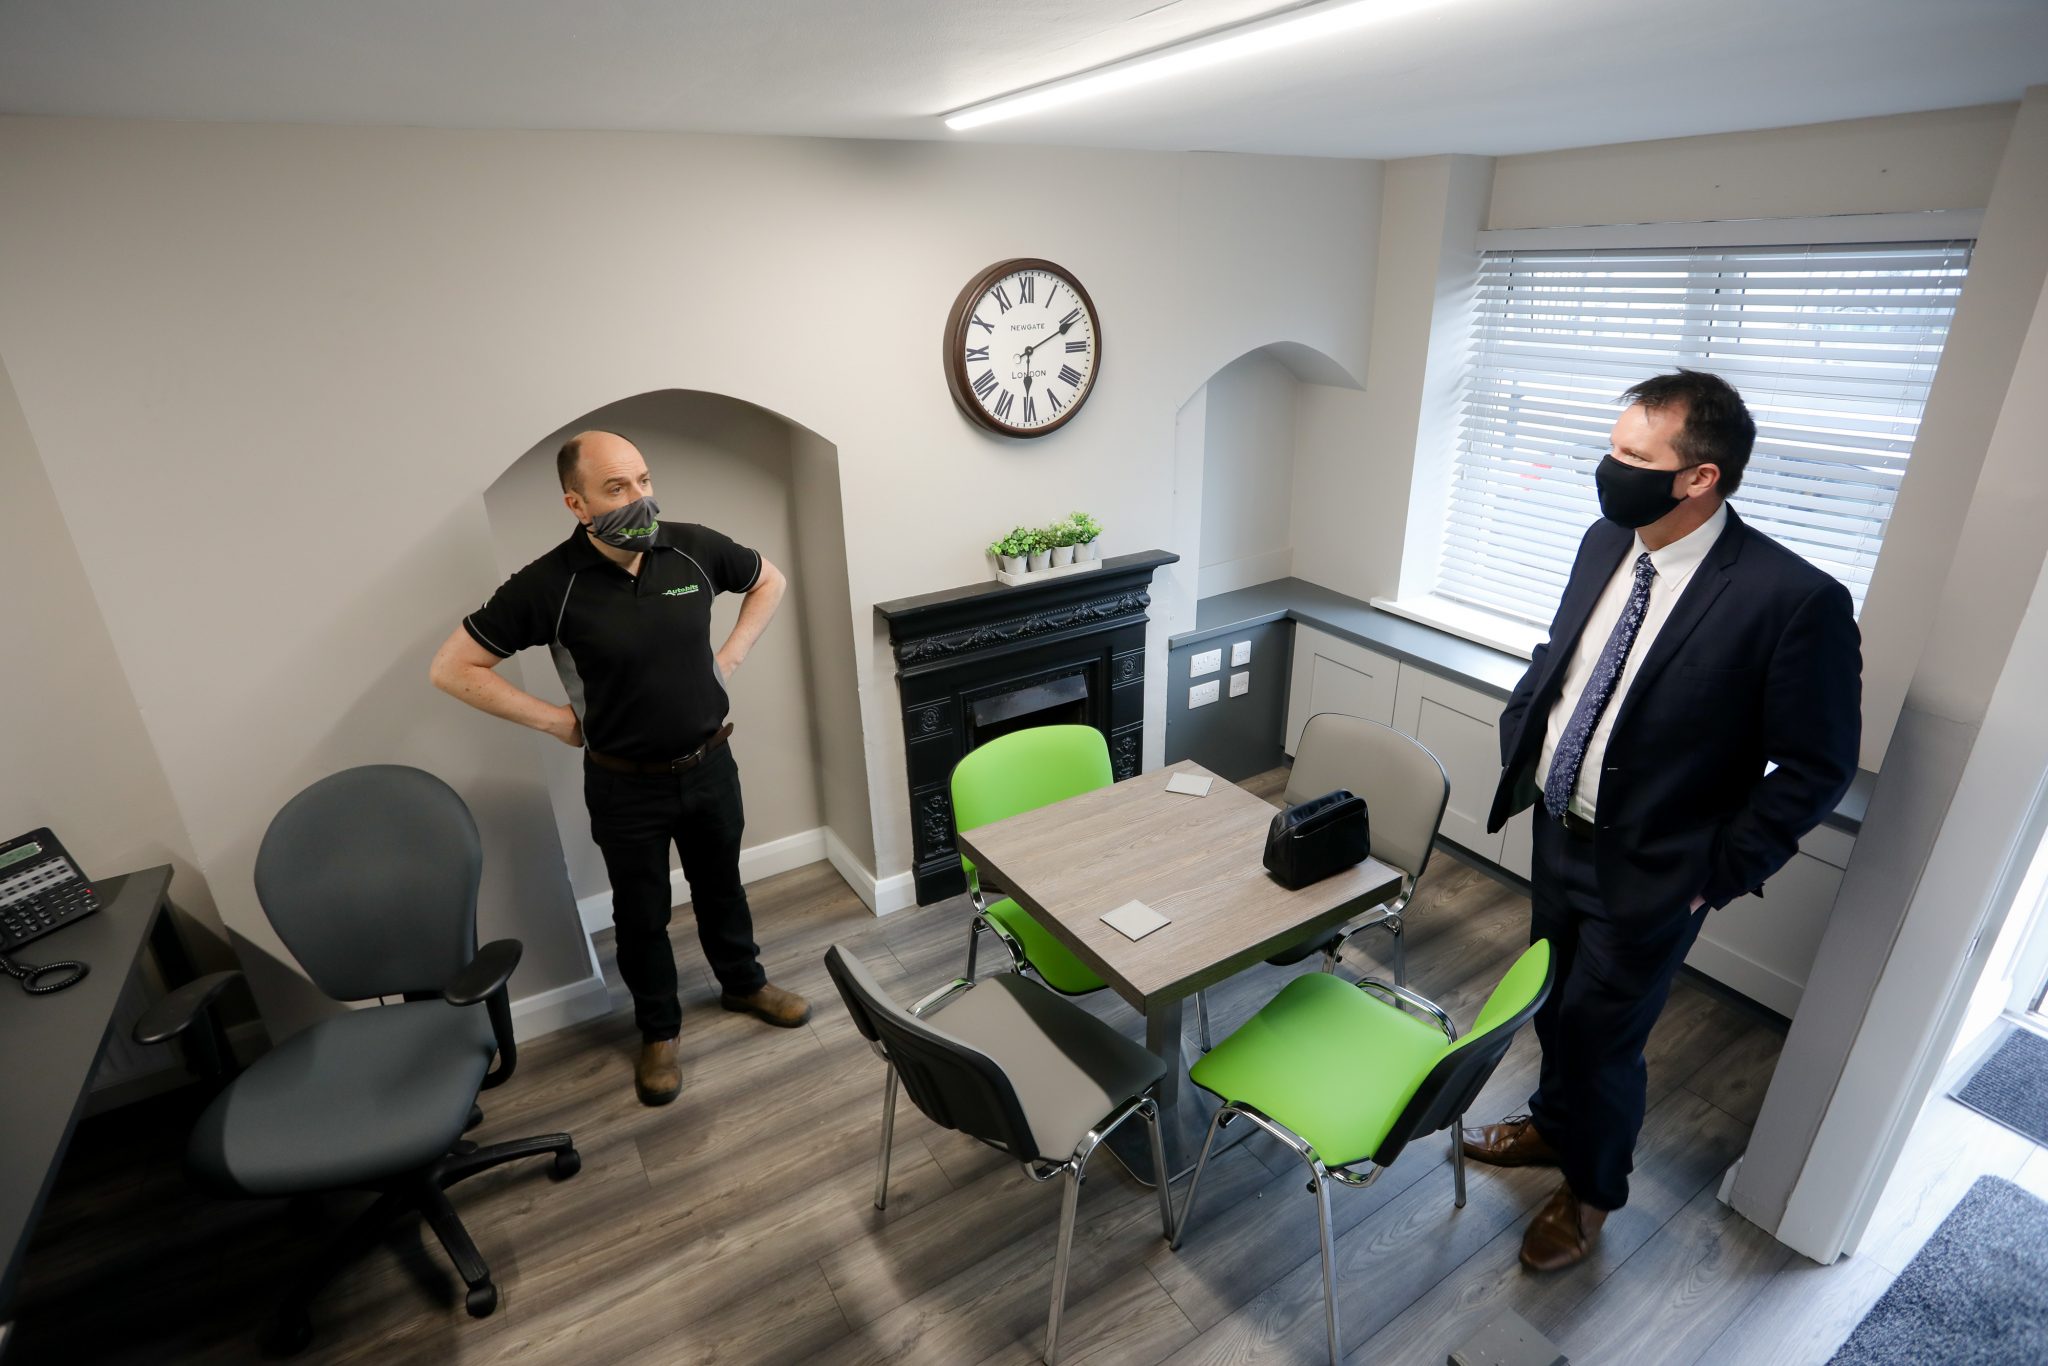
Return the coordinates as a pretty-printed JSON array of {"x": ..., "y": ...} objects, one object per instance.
[{"x": 1832, "y": 347}]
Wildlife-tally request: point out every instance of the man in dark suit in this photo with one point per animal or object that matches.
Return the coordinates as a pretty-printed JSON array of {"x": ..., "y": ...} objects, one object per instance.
[{"x": 1695, "y": 711}]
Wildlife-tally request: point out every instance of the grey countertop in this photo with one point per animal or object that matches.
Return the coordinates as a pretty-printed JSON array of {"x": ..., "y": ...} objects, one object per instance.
[{"x": 1479, "y": 666}]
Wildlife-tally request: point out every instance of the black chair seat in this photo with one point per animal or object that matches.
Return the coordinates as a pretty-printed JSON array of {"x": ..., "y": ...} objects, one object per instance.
[{"x": 356, "y": 1098}]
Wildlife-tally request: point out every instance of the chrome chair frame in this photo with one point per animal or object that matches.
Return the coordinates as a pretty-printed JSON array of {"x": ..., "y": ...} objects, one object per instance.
[
  {"x": 1074, "y": 1169},
  {"x": 1320, "y": 1174},
  {"x": 1019, "y": 962}
]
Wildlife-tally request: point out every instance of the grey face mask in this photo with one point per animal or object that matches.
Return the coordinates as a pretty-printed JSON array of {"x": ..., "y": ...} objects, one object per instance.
[{"x": 630, "y": 527}]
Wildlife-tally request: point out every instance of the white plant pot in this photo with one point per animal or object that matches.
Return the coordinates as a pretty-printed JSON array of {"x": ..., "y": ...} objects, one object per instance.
[
  {"x": 1062, "y": 554},
  {"x": 1011, "y": 564},
  {"x": 1040, "y": 559},
  {"x": 1085, "y": 552}
]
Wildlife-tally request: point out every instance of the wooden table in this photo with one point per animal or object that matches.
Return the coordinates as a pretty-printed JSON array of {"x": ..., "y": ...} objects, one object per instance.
[{"x": 1196, "y": 861}]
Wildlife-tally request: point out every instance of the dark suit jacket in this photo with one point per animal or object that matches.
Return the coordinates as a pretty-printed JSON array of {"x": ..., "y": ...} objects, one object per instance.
[{"x": 1759, "y": 660}]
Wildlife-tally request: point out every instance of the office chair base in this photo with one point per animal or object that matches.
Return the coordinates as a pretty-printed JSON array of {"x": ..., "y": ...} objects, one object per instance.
[{"x": 424, "y": 1192}]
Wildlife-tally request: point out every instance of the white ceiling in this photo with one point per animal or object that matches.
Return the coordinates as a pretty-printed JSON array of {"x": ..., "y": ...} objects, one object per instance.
[{"x": 1482, "y": 76}]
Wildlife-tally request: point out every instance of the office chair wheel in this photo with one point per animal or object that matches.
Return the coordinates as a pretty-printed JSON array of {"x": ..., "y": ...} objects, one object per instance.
[
  {"x": 566, "y": 1165},
  {"x": 481, "y": 1300},
  {"x": 288, "y": 1333}
]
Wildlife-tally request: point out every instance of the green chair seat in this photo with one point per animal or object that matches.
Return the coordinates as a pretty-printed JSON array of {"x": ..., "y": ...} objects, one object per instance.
[
  {"x": 1050, "y": 959},
  {"x": 1330, "y": 1062}
]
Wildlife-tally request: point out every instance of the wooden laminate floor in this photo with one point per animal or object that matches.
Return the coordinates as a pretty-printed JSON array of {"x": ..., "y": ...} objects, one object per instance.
[{"x": 736, "y": 1225}]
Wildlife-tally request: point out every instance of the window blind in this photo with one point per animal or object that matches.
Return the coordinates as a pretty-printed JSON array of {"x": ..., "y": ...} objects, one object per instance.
[{"x": 1832, "y": 347}]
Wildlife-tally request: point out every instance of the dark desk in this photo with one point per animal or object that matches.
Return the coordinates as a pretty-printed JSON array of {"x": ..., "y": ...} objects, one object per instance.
[{"x": 49, "y": 1045}]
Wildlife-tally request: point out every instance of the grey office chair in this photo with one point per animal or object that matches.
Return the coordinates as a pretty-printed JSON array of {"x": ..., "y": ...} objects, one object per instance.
[
  {"x": 1011, "y": 1063},
  {"x": 1405, "y": 791},
  {"x": 370, "y": 878}
]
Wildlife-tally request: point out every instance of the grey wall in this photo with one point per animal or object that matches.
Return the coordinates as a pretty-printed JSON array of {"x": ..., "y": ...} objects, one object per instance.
[
  {"x": 73, "y": 749},
  {"x": 1247, "y": 475},
  {"x": 367, "y": 326}
]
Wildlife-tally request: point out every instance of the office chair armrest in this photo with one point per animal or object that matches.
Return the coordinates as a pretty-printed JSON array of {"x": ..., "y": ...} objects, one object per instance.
[
  {"x": 1397, "y": 995},
  {"x": 485, "y": 974},
  {"x": 182, "y": 1007}
]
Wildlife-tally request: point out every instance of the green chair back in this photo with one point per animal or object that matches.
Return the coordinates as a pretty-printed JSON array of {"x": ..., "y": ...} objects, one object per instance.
[
  {"x": 1455, "y": 1082},
  {"x": 1025, "y": 770}
]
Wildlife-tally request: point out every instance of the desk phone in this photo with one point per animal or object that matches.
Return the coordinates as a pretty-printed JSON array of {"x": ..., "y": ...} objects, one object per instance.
[{"x": 41, "y": 889}]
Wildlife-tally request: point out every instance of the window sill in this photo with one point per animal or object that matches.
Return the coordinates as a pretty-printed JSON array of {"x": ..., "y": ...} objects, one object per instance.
[{"x": 1468, "y": 623}]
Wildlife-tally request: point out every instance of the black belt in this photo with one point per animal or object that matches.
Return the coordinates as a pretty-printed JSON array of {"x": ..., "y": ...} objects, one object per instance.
[
  {"x": 1577, "y": 826},
  {"x": 682, "y": 765}
]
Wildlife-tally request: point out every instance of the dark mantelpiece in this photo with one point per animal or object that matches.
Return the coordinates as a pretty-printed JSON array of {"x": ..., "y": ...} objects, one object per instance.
[{"x": 977, "y": 661}]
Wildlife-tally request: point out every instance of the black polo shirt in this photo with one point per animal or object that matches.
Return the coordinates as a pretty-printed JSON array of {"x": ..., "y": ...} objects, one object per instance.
[{"x": 634, "y": 651}]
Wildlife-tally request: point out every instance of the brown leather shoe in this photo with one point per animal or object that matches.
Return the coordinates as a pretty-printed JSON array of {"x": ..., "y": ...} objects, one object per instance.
[
  {"x": 657, "y": 1079},
  {"x": 784, "y": 1009},
  {"x": 1563, "y": 1233},
  {"x": 1513, "y": 1142}
]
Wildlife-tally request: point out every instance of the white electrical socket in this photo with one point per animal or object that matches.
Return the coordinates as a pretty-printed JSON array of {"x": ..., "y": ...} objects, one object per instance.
[
  {"x": 1240, "y": 684},
  {"x": 1202, "y": 694},
  {"x": 1240, "y": 653},
  {"x": 1207, "y": 662}
]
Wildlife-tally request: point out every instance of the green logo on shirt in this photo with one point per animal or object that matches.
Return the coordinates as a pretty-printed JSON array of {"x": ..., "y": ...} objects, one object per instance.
[{"x": 678, "y": 592}]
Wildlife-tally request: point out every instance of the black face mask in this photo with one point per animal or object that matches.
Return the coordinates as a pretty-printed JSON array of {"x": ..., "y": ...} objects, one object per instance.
[{"x": 1631, "y": 496}]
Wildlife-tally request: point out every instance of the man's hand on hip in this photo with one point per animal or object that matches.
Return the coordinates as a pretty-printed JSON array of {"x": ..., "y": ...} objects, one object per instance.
[{"x": 567, "y": 728}]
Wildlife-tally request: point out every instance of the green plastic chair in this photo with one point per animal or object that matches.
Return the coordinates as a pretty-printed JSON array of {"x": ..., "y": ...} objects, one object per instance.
[
  {"x": 1347, "y": 1080},
  {"x": 1014, "y": 773}
]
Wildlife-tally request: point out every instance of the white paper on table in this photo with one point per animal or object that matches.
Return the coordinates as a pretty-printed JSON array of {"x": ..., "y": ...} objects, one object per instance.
[
  {"x": 1190, "y": 784},
  {"x": 1133, "y": 919}
]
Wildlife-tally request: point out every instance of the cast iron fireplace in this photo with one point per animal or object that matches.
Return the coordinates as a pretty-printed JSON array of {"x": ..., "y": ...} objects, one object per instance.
[{"x": 978, "y": 662}]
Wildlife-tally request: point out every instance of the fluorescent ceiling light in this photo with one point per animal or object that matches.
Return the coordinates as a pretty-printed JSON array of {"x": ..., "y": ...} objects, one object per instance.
[{"x": 1301, "y": 24}]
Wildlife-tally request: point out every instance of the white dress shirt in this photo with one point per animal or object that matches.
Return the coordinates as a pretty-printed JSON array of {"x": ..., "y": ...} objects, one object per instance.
[{"x": 1675, "y": 565}]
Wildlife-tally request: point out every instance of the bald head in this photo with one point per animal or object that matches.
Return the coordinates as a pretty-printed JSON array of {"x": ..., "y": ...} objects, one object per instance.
[{"x": 599, "y": 447}]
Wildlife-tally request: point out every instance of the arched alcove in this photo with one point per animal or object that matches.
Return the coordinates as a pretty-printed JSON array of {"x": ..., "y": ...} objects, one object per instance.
[
  {"x": 1244, "y": 440},
  {"x": 769, "y": 484}
]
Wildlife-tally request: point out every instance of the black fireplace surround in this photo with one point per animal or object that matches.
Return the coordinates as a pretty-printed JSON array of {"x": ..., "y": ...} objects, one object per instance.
[{"x": 977, "y": 662}]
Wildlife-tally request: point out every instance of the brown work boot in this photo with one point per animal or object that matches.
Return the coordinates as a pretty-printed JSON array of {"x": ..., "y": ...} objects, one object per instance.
[
  {"x": 657, "y": 1079},
  {"x": 784, "y": 1009},
  {"x": 1513, "y": 1142},
  {"x": 1563, "y": 1232}
]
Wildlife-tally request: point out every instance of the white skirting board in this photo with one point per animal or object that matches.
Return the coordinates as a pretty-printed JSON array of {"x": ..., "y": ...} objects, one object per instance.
[{"x": 881, "y": 895}]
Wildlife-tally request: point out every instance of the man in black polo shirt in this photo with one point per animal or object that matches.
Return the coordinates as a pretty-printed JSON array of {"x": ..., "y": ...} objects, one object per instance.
[{"x": 624, "y": 605}]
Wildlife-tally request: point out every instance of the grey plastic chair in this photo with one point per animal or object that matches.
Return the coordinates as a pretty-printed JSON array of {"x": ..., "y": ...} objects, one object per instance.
[
  {"x": 1405, "y": 791},
  {"x": 370, "y": 877},
  {"x": 1008, "y": 1061}
]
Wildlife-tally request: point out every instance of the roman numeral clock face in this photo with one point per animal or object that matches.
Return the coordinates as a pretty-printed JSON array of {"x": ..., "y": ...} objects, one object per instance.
[{"x": 1022, "y": 348}]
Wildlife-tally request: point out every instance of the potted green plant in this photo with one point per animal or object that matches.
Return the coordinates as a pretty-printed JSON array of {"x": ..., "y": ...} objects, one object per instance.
[
  {"x": 1064, "y": 535},
  {"x": 1086, "y": 531},
  {"x": 1039, "y": 546},
  {"x": 1012, "y": 550}
]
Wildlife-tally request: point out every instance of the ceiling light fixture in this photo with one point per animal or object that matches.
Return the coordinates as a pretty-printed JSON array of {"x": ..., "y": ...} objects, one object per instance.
[{"x": 1285, "y": 29}]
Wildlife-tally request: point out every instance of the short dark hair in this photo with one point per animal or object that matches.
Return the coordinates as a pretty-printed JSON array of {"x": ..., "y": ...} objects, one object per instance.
[
  {"x": 1717, "y": 430},
  {"x": 567, "y": 458}
]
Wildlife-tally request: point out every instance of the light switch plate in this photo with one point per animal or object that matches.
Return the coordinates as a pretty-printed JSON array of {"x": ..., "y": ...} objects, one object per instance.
[
  {"x": 1207, "y": 662},
  {"x": 1240, "y": 653},
  {"x": 1202, "y": 694},
  {"x": 1240, "y": 684}
]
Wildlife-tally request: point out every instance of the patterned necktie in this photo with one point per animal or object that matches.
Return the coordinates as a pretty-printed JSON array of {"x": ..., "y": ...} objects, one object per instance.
[{"x": 1571, "y": 747}]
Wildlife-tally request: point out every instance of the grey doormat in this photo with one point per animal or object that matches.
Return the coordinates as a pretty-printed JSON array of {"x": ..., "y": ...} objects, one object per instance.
[
  {"x": 2011, "y": 1085},
  {"x": 1977, "y": 1295}
]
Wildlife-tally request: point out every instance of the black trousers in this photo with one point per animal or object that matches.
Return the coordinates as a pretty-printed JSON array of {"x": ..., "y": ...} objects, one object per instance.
[
  {"x": 1614, "y": 965},
  {"x": 634, "y": 817}
]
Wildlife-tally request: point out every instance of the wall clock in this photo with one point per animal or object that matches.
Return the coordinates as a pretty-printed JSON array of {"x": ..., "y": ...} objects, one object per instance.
[{"x": 1023, "y": 347}]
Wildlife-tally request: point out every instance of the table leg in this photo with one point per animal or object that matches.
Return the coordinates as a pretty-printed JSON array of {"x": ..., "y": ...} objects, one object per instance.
[{"x": 1184, "y": 1109}]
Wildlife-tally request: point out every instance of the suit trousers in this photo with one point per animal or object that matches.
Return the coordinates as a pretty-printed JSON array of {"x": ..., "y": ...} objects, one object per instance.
[
  {"x": 1614, "y": 968},
  {"x": 634, "y": 817}
]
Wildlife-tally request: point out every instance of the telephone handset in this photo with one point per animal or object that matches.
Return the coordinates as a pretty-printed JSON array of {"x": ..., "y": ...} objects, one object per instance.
[{"x": 42, "y": 888}]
